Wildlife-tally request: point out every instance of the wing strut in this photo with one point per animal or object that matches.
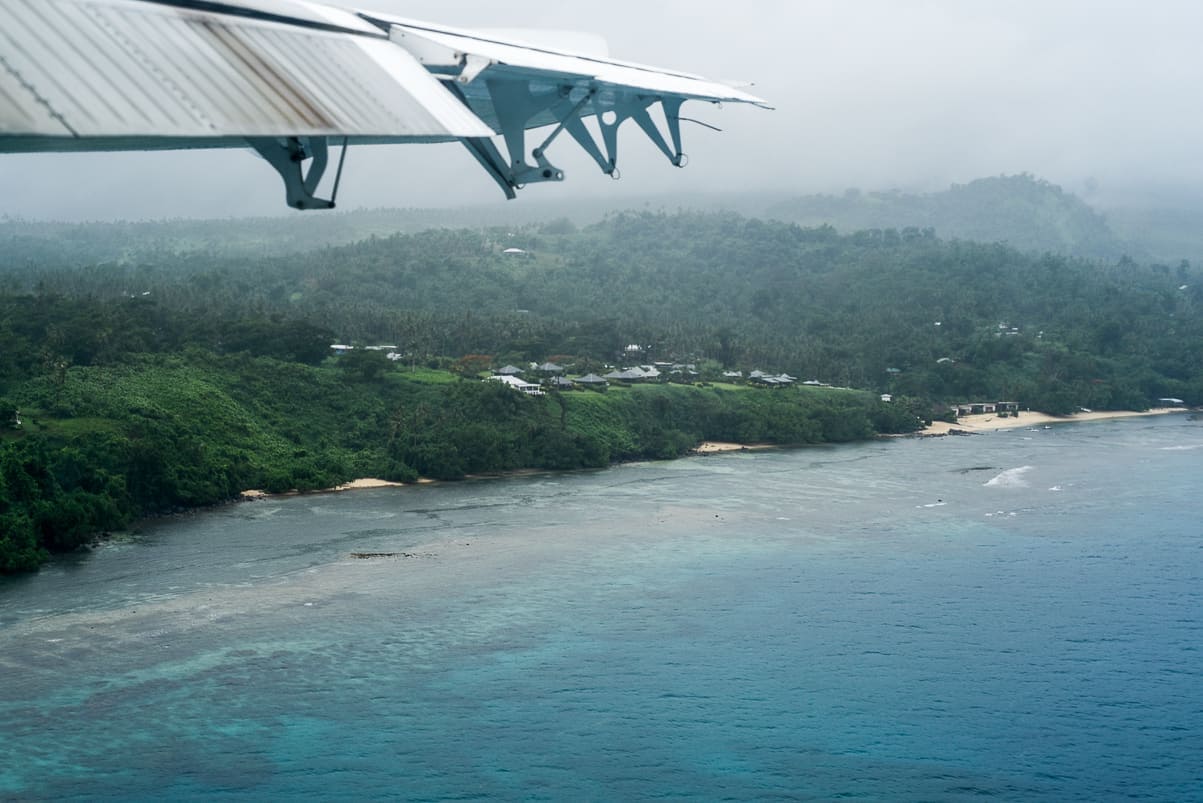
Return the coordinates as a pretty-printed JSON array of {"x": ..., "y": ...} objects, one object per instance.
[
  {"x": 287, "y": 154},
  {"x": 515, "y": 106},
  {"x": 493, "y": 162},
  {"x": 575, "y": 126},
  {"x": 635, "y": 107}
]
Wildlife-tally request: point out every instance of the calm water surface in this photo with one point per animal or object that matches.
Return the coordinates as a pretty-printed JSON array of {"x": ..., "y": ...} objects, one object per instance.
[{"x": 1016, "y": 615}]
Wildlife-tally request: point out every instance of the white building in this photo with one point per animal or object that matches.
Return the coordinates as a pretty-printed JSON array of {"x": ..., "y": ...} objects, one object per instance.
[{"x": 518, "y": 385}]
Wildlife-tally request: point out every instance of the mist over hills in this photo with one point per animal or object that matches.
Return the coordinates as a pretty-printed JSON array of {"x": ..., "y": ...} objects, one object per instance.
[
  {"x": 1025, "y": 212},
  {"x": 1022, "y": 211}
]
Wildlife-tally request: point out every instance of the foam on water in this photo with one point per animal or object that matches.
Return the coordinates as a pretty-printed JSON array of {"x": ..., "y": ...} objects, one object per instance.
[{"x": 1011, "y": 478}]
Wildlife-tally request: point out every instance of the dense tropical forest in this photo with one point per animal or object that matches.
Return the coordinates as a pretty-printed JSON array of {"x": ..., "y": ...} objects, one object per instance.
[{"x": 178, "y": 369}]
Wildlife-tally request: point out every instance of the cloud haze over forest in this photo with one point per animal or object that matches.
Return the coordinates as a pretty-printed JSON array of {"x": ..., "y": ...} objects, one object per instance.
[{"x": 869, "y": 93}]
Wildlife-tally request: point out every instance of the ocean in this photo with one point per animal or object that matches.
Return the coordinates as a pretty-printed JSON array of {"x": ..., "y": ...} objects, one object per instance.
[{"x": 1016, "y": 615}]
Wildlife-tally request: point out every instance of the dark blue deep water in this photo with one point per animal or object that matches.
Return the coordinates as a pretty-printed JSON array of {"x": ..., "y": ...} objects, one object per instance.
[{"x": 1016, "y": 616}]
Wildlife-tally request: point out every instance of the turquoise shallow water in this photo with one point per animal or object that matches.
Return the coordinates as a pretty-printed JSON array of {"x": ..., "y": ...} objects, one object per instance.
[{"x": 1016, "y": 615}]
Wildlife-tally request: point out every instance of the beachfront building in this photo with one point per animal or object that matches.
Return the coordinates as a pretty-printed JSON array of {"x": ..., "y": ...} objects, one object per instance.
[{"x": 979, "y": 408}]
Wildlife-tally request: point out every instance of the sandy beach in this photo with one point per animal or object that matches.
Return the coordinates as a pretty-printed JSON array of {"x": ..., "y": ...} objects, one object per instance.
[
  {"x": 990, "y": 422},
  {"x": 353, "y": 485},
  {"x": 714, "y": 447}
]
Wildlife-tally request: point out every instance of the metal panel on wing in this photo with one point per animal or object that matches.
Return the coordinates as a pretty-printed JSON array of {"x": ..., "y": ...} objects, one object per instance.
[{"x": 115, "y": 68}]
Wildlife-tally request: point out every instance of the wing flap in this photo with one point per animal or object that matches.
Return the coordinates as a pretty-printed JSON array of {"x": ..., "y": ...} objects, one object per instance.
[
  {"x": 516, "y": 86},
  {"x": 439, "y": 47}
]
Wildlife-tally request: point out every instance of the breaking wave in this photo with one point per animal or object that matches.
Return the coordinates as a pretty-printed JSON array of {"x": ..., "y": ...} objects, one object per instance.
[{"x": 1011, "y": 478}]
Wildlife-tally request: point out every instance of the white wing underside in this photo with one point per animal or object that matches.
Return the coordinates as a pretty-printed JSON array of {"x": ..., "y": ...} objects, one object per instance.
[{"x": 285, "y": 77}]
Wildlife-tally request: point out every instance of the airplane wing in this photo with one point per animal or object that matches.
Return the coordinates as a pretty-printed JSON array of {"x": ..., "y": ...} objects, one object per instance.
[
  {"x": 515, "y": 86},
  {"x": 288, "y": 77}
]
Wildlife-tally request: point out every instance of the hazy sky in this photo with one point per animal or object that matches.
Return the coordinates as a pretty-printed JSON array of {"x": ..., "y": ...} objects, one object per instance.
[{"x": 869, "y": 93}]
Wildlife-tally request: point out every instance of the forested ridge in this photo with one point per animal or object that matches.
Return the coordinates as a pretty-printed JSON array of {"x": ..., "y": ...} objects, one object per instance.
[
  {"x": 842, "y": 309},
  {"x": 1022, "y": 211},
  {"x": 171, "y": 377}
]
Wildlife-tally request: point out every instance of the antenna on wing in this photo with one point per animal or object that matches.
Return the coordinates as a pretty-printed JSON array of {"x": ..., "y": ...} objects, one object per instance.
[{"x": 703, "y": 125}]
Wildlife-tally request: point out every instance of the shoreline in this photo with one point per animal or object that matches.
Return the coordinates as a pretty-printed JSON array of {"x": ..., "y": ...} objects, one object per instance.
[
  {"x": 363, "y": 483},
  {"x": 965, "y": 425},
  {"x": 991, "y": 422}
]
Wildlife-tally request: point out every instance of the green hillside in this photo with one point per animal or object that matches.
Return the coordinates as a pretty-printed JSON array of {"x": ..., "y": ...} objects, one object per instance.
[{"x": 98, "y": 446}]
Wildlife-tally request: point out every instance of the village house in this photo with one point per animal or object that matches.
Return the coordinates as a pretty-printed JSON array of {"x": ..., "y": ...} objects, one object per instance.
[
  {"x": 592, "y": 380},
  {"x": 770, "y": 380},
  {"x": 518, "y": 384},
  {"x": 628, "y": 375}
]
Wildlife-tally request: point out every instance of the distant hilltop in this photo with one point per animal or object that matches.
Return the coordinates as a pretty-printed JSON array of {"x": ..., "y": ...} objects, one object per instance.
[{"x": 1025, "y": 212}]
